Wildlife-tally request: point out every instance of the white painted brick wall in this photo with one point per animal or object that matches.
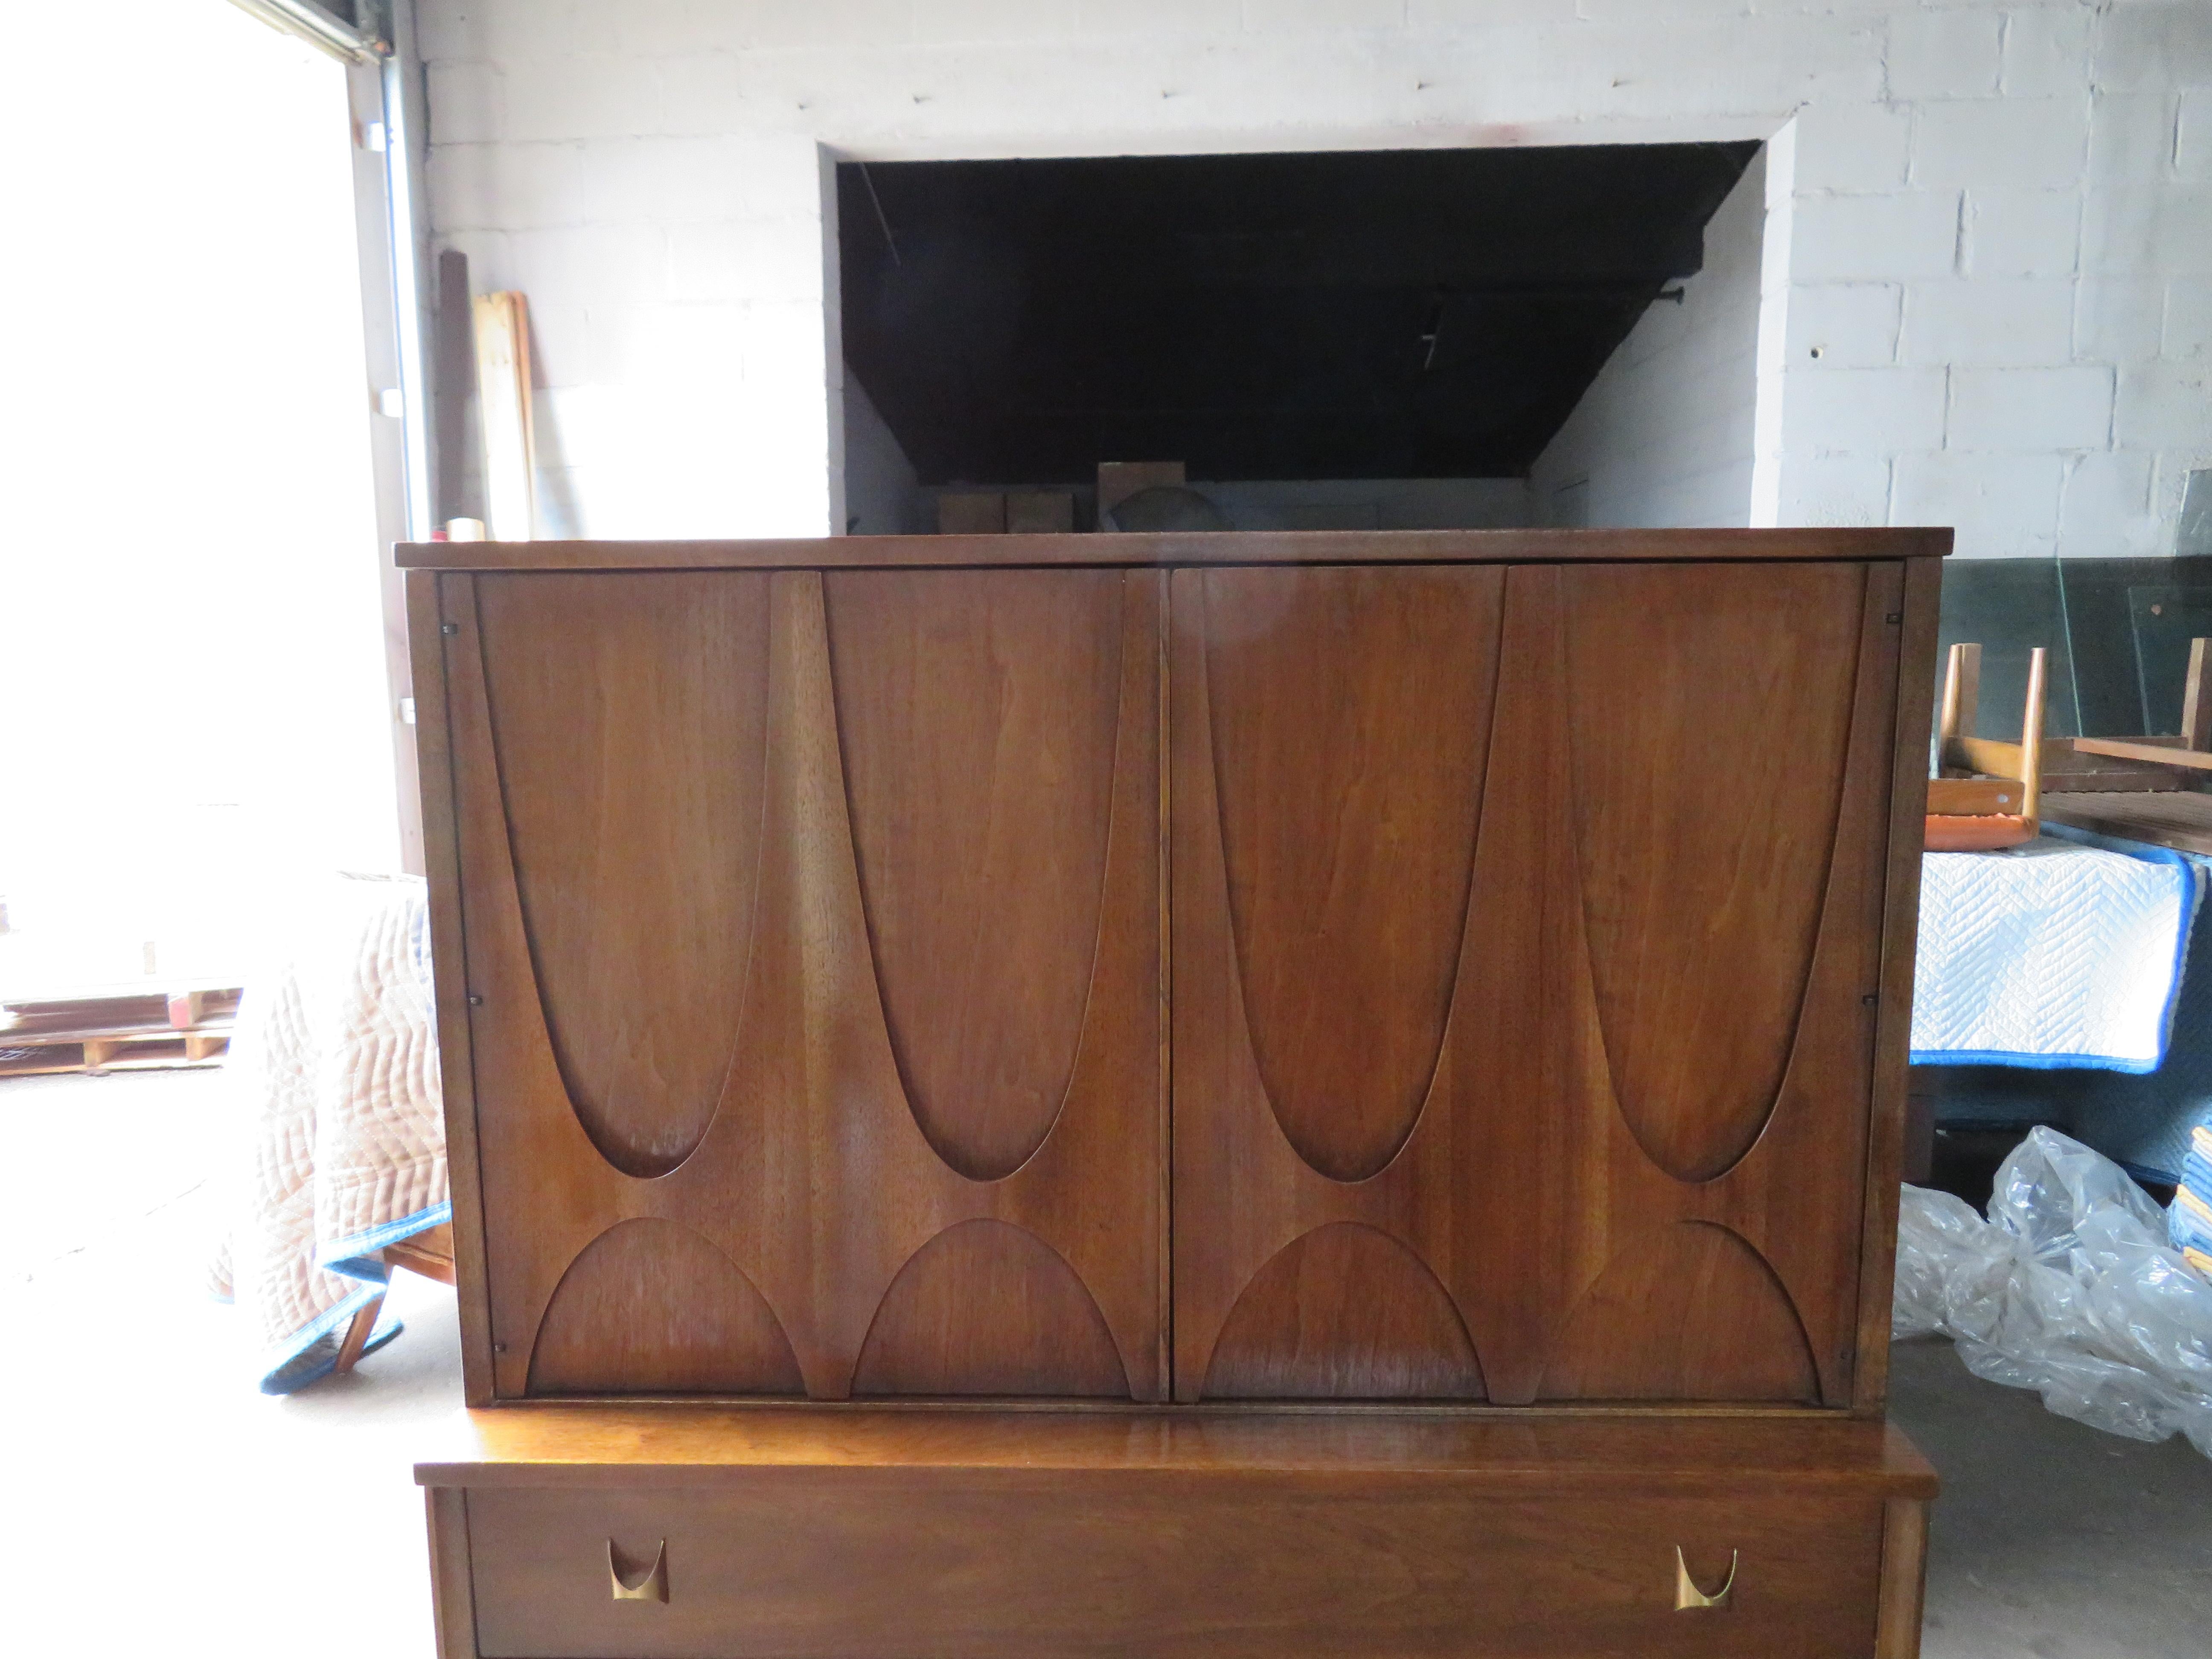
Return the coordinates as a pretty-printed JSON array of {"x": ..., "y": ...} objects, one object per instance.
[
  {"x": 1664, "y": 434},
  {"x": 1996, "y": 229}
]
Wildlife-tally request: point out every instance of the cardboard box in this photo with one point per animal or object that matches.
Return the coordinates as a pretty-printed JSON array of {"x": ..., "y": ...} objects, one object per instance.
[
  {"x": 971, "y": 513},
  {"x": 1040, "y": 512}
]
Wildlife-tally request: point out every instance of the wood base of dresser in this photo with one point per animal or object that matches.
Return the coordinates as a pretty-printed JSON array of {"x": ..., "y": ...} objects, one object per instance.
[{"x": 680, "y": 1533}]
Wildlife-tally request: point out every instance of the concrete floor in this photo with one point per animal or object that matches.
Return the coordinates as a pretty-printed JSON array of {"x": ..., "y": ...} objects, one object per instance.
[{"x": 156, "y": 1503}]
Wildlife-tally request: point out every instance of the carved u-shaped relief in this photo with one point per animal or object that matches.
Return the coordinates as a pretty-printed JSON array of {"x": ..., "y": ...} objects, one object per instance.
[
  {"x": 1704, "y": 815},
  {"x": 1349, "y": 710},
  {"x": 629, "y": 722},
  {"x": 977, "y": 712}
]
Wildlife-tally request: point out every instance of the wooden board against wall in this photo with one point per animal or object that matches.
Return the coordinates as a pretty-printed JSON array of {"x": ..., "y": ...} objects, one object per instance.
[{"x": 504, "y": 415}]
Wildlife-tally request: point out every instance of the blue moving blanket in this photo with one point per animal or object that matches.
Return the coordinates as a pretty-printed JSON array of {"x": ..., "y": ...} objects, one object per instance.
[{"x": 2067, "y": 952}]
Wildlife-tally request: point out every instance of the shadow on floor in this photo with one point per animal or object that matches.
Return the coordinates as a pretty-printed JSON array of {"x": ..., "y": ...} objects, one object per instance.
[{"x": 2051, "y": 1538}]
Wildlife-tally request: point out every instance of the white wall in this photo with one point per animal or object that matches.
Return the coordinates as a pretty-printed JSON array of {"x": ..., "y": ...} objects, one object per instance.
[
  {"x": 1664, "y": 434},
  {"x": 883, "y": 493},
  {"x": 1999, "y": 218}
]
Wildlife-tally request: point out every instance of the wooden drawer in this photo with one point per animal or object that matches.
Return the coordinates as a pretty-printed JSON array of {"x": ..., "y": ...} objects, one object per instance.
[
  {"x": 852, "y": 1563},
  {"x": 784, "y": 1537}
]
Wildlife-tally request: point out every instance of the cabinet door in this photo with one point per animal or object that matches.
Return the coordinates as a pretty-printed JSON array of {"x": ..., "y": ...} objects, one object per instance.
[
  {"x": 811, "y": 932},
  {"x": 1527, "y": 930}
]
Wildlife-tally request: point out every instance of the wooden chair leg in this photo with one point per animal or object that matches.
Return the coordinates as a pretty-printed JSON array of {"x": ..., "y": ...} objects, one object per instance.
[
  {"x": 356, "y": 1337},
  {"x": 1962, "y": 694}
]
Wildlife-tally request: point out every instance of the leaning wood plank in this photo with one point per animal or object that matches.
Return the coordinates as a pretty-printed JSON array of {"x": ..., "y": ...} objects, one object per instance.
[
  {"x": 2137, "y": 749},
  {"x": 2031, "y": 733},
  {"x": 502, "y": 330}
]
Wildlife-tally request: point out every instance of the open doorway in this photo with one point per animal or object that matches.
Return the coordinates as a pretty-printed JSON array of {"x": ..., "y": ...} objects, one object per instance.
[
  {"x": 1410, "y": 339},
  {"x": 194, "y": 672}
]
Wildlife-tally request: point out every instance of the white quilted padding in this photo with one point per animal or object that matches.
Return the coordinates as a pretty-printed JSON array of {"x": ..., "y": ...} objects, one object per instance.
[
  {"x": 2052, "y": 954},
  {"x": 342, "y": 1141}
]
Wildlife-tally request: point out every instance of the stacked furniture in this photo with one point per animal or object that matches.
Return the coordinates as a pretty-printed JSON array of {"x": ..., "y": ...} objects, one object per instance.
[{"x": 1314, "y": 1094}]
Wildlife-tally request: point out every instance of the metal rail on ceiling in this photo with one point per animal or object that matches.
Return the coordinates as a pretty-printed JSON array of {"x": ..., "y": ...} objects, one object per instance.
[{"x": 322, "y": 28}]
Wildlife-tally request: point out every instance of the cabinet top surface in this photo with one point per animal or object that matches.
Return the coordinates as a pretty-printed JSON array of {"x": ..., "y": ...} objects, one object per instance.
[
  {"x": 526, "y": 1445},
  {"x": 1212, "y": 548}
]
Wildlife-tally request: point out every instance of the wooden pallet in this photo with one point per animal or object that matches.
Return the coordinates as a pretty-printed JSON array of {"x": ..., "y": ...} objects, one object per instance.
[{"x": 132, "y": 1032}]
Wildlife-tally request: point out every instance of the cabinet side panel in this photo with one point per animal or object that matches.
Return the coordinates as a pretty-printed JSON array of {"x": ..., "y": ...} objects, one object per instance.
[
  {"x": 1917, "y": 611},
  {"x": 433, "y": 752}
]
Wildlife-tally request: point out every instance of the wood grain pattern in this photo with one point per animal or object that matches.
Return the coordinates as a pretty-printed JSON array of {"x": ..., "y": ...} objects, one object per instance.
[
  {"x": 1344, "y": 1313},
  {"x": 992, "y": 1532},
  {"x": 1350, "y": 713},
  {"x": 1042, "y": 1335},
  {"x": 1523, "y": 1180},
  {"x": 628, "y": 718},
  {"x": 812, "y": 1176},
  {"x": 815, "y": 1175},
  {"x": 1688, "y": 1312},
  {"x": 650, "y": 1307},
  {"x": 977, "y": 713},
  {"x": 1490, "y": 1452},
  {"x": 1708, "y": 711},
  {"x": 1008, "y": 1565},
  {"x": 1158, "y": 550}
]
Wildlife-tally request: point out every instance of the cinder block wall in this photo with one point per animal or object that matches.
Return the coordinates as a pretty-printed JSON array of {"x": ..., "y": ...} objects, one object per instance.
[{"x": 1990, "y": 291}]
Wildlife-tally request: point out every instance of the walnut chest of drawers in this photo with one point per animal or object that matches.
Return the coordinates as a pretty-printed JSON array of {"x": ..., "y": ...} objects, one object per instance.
[{"x": 1229, "y": 1094}]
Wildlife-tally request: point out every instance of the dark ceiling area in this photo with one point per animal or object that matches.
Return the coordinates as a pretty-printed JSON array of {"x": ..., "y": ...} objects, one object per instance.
[{"x": 1395, "y": 314}]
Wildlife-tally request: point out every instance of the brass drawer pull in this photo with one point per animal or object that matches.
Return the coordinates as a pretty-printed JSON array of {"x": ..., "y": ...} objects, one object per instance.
[
  {"x": 1688, "y": 1598},
  {"x": 650, "y": 1585}
]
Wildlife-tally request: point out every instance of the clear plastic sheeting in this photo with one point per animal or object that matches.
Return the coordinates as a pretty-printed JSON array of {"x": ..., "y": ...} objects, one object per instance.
[{"x": 2069, "y": 1288}]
